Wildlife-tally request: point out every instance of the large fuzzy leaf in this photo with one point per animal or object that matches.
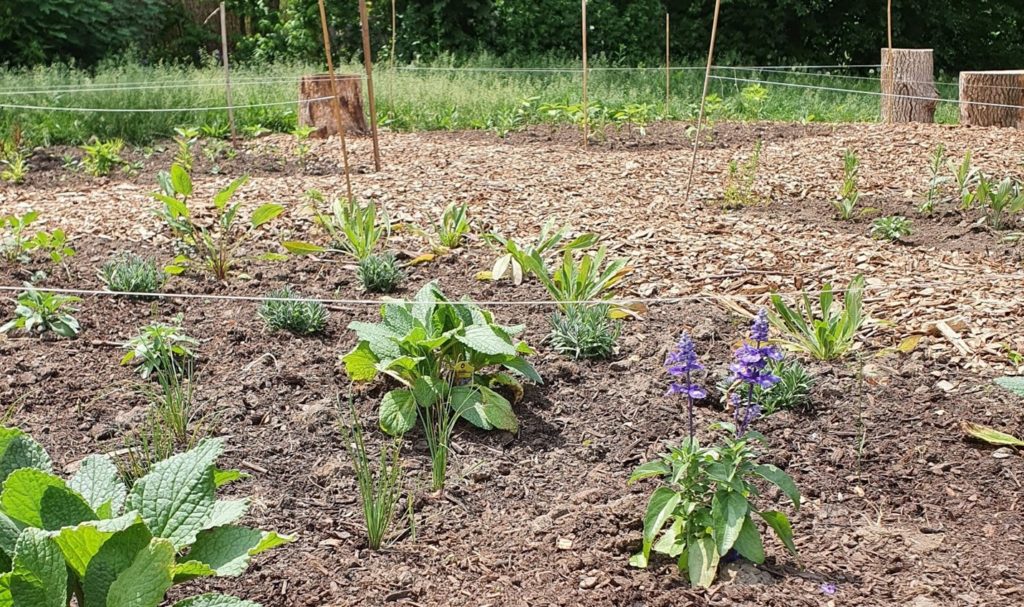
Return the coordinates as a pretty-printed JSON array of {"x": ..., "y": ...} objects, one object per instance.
[
  {"x": 226, "y": 512},
  {"x": 398, "y": 412},
  {"x": 39, "y": 577},
  {"x": 40, "y": 499},
  {"x": 99, "y": 483},
  {"x": 484, "y": 408},
  {"x": 18, "y": 450},
  {"x": 81, "y": 543},
  {"x": 114, "y": 557},
  {"x": 228, "y": 550},
  {"x": 484, "y": 340},
  {"x": 361, "y": 363},
  {"x": 382, "y": 341},
  {"x": 145, "y": 582},
  {"x": 176, "y": 499},
  {"x": 215, "y": 600},
  {"x": 780, "y": 524}
]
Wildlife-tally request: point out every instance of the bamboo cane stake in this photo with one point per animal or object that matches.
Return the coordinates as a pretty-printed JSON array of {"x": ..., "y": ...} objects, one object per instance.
[
  {"x": 887, "y": 68},
  {"x": 336, "y": 105},
  {"x": 703, "y": 100},
  {"x": 586, "y": 111},
  {"x": 668, "y": 65},
  {"x": 368, "y": 64},
  {"x": 227, "y": 70}
]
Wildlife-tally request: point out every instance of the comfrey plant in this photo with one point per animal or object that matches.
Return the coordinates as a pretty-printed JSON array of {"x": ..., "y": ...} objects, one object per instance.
[{"x": 704, "y": 511}]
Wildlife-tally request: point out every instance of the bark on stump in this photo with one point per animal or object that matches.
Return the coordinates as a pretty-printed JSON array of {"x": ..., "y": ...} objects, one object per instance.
[
  {"x": 996, "y": 88},
  {"x": 908, "y": 86},
  {"x": 320, "y": 114}
]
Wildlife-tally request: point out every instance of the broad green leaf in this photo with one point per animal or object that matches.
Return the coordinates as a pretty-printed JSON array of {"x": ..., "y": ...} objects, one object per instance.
[
  {"x": 483, "y": 339},
  {"x": 991, "y": 435},
  {"x": 484, "y": 408},
  {"x": 176, "y": 499},
  {"x": 39, "y": 577},
  {"x": 297, "y": 247},
  {"x": 190, "y": 570},
  {"x": 1013, "y": 384},
  {"x": 728, "y": 511},
  {"x": 650, "y": 469},
  {"x": 360, "y": 363},
  {"x": 80, "y": 543},
  {"x": 781, "y": 480},
  {"x": 19, "y": 450},
  {"x": 266, "y": 213},
  {"x": 115, "y": 556},
  {"x": 39, "y": 499},
  {"x": 181, "y": 181},
  {"x": 748, "y": 543},
  {"x": 702, "y": 561},
  {"x": 398, "y": 412},
  {"x": 99, "y": 483},
  {"x": 226, "y": 512},
  {"x": 780, "y": 524},
  {"x": 221, "y": 198},
  {"x": 229, "y": 549},
  {"x": 145, "y": 582},
  {"x": 215, "y": 600},
  {"x": 662, "y": 504},
  {"x": 9, "y": 532},
  {"x": 381, "y": 340},
  {"x": 526, "y": 369}
]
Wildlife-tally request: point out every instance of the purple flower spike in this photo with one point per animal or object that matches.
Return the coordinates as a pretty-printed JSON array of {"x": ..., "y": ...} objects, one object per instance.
[
  {"x": 681, "y": 363},
  {"x": 759, "y": 330},
  {"x": 751, "y": 369}
]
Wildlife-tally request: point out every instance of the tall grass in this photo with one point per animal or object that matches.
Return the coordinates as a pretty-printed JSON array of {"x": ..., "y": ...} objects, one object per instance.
[{"x": 432, "y": 97}]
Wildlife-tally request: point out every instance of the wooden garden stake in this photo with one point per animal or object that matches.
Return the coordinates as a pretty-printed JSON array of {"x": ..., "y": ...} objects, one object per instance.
[
  {"x": 394, "y": 34},
  {"x": 668, "y": 66},
  {"x": 227, "y": 70},
  {"x": 368, "y": 64},
  {"x": 337, "y": 102},
  {"x": 586, "y": 111},
  {"x": 703, "y": 99}
]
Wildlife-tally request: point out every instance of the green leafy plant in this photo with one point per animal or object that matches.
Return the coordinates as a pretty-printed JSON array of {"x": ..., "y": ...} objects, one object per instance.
[
  {"x": 451, "y": 230},
  {"x": 740, "y": 181},
  {"x": 379, "y": 273},
  {"x": 583, "y": 331},
  {"x": 353, "y": 229},
  {"x": 174, "y": 409},
  {"x": 890, "y": 228},
  {"x": 378, "y": 493},
  {"x": 216, "y": 150},
  {"x": 583, "y": 280},
  {"x": 792, "y": 390},
  {"x": 825, "y": 333},
  {"x": 186, "y": 139},
  {"x": 965, "y": 178},
  {"x": 287, "y": 311},
  {"x": 517, "y": 259},
  {"x": 936, "y": 181},
  {"x": 42, "y": 311},
  {"x": 634, "y": 115},
  {"x": 450, "y": 358},
  {"x": 102, "y": 156},
  {"x": 93, "y": 540},
  {"x": 159, "y": 346},
  {"x": 706, "y": 506},
  {"x": 131, "y": 273},
  {"x": 13, "y": 158},
  {"x": 215, "y": 130},
  {"x": 212, "y": 248},
  {"x": 15, "y": 241},
  {"x": 302, "y": 147},
  {"x": 1000, "y": 201},
  {"x": 849, "y": 195}
]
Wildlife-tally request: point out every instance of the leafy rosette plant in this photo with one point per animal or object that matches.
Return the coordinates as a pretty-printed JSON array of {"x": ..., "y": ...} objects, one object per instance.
[
  {"x": 441, "y": 351},
  {"x": 93, "y": 542}
]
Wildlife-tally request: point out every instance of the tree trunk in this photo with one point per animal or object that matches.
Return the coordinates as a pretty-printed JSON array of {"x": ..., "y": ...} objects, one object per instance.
[
  {"x": 908, "y": 86},
  {"x": 320, "y": 113},
  {"x": 985, "y": 95}
]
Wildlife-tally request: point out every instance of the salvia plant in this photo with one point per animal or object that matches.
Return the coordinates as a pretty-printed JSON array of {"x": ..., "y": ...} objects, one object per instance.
[
  {"x": 42, "y": 311},
  {"x": 450, "y": 359},
  {"x": 215, "y": 247},
  {"x": 286, "y": 310},
  {"x": 1000, "y": 201},
  {"x": 379, "y": 273},
  {"x": 704, "y": 511},
  {"x": 516, "y": 261},
  {"x": 849, "y": 194},
  {"x": 131, "y": 273},
  {"x": 824, "y": 333},
  {"x": 453, "y": 227},
  {"x": 92, "y": 540},
  {"x": 791, "y": 391},
  {"x": 740, "y": 181},
  {"x": 891, "y": 228},
  {"x": 378, "y": 492},
  {"x": 102, "y": 156},
  {"x": 159, "y": 346},
  {"x": 584, "y": 331},
  {"x": 965, "y": 178},
  {"x": 936, "y": 181}
]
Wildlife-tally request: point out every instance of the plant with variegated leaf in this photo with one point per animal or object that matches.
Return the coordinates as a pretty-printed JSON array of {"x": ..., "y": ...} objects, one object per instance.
[
  {"x": 516, "y": 263},
  {"x": 93, "y": 541},
  {"x": 584, "y": 281},
  {"x": 213, "y": 247}
]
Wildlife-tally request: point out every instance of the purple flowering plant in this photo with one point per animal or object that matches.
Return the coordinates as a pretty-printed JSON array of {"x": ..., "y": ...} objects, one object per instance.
[{"x": 704, "y": 509}]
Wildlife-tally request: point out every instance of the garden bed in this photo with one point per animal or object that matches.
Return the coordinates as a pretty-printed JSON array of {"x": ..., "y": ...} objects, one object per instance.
[{"x": 899, "y": 507}]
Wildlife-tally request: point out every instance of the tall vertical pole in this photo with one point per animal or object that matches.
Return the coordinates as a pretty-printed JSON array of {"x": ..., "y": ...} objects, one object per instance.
[
  {"x": 227, "y": 69},
  {"x": 586, "y": 110},
  {"x": 368, "y": 64},
  {"x": 889, "y": 23},
  {"x": 337, "y": 100},
  {"x": 394, "y": 33},
  {"x": 668, "y": 65},
  {"x": 887, "y": 68},
  {"x": 703, "y": 100}
]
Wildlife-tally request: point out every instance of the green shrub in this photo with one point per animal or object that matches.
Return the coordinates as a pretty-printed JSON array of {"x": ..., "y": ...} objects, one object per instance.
[
  {"x": 42, "y": 311},
  {"x": 379, "y": 273},
  {"x": 823, "y": 333},
  {"x": 93, "y": 538},
  {"x": 131, "y": 273},
  {"x": 890, "y": 228},
  {"x": 102, "y": 157},
  {"x": 287, "y": 311},
  {"x": 583, "y": 331}
]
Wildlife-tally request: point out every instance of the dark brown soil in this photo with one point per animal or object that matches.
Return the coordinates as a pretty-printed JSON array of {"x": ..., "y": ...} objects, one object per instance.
[{"x": 899, "y": 508}]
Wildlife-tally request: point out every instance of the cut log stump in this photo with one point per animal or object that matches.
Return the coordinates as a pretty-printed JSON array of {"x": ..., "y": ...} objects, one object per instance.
[
  {"x": 988, "y": 98},
  {"x": 908, "y": 86},
  {"x": 320, "y": 113}
]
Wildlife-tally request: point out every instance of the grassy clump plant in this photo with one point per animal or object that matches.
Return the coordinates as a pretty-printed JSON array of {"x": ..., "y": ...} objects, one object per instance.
[
  {"x": 131, "y": 273},
  {"x": 584, "y": 331},
  {"x": 285, "y": 310},
  {"x": 378, "y": 491}
]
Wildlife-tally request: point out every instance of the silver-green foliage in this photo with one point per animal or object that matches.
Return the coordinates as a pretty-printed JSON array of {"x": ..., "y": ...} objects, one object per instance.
[
  {"x": 287, "y": 311},
  {"x": 1014, "y": 384},
  {"x": 159, "y": 346},
  {"x": 890, "y": 228},
  {"x": 379, "y": 273},
  {"x": 823, "y": 333},
  {"x": 131, "y": 273},
  {"x": 42, "y": 311},
  {"x": 582, "y": 331},
  {"x": 110, "y": 545}
]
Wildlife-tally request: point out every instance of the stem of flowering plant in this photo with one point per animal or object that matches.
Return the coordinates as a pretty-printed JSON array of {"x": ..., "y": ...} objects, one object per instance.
[{"x": 689, "y": 405}]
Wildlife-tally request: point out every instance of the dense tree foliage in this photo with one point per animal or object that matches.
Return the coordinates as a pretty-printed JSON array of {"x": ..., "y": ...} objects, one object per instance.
[{"x": 981, "y": 34}]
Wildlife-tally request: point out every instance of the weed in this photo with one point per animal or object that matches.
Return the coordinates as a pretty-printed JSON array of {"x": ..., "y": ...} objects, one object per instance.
[
  {"x": 102, "y": 156},
  {"x": 378, "y": 493},
  {"x": 890, "y": 228},
  {"x": 160, "y": 348}
]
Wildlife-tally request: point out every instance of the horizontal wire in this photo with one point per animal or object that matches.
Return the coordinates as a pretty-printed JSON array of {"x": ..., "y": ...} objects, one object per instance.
[
  {"x": 13, "y": 106},
  {"x": 880, "y": 78},
  {"x": 127, "y": 89}
]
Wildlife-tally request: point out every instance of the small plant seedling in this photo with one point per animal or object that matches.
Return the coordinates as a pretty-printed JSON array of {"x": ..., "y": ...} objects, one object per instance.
[
  {"x": 849, "y": 195},
  {"x": 378, "y": 493},
  {"x": 379, "y": 273},
  {"x": 42, "y": 311},
  {"x": 1000, "y": 201},
  {"x": 186, "y": 138},
  {"x": 584, "y": 331},
  {"x": 936, "y": 181},
  {"x": 160, "y": 347},
  {"x": 890, "y": 228},
  {"x": 102, "y": 156},
  {"x": 302, "y": 147},
  {"x": 583, "y": 280},
  {"x": 516, "y": 261},
  {"x": 965, "y": 178},
  {"x": 287, "y": 311},
  {"x": 453, "y": 227},
  {"x": 824, "y": 334},
  {"x": 13, "y": 158},
  {"x": 740, "y": 181},
  {"x": 353, "y": 229},
  {"x": 131, "y": 273}
]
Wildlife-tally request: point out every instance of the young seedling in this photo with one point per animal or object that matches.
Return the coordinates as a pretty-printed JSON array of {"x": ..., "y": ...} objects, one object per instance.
[
  {"x": 849, "y": 195},
  {"x": 892, "y": 228},
  {"x": 936, "y": 181},
  {"x": 740, "y": 181}
]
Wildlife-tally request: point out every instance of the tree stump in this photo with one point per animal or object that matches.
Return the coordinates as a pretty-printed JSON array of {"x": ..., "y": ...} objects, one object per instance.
[
  {"x": 320, "y": 113},
  {"x": 908, "y": 86},
  {"x": 985, "y": 95}
]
